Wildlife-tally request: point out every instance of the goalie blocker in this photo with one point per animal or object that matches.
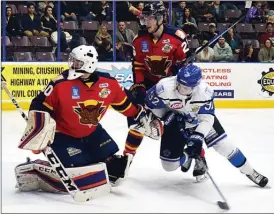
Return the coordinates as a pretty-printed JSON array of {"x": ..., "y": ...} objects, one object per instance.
[{"x": 90, "y": 161}]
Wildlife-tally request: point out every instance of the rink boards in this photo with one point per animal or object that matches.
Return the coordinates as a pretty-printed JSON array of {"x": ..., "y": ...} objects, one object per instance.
[{"x": 236, "y": 85}]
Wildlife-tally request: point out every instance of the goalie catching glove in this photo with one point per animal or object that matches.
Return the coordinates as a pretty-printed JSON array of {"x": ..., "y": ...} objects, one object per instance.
[
  {"x": 40, "y": 131},
  {"x": 147, "y": 124}
]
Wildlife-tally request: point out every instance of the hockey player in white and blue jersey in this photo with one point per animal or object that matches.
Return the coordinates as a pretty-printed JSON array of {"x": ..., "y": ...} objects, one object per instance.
[{"x": 185, "y": 104}]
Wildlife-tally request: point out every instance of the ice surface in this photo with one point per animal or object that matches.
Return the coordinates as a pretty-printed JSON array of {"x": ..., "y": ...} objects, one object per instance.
[{"x": 149, "y": 188}]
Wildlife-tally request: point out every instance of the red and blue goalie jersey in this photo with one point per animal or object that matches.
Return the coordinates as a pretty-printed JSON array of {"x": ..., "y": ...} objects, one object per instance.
[
  {"x": 77, "y": 106},
  {"x": 153, "y": 59}
]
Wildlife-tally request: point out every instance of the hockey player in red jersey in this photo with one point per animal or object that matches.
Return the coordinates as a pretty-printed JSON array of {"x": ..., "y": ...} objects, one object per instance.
[
  {"x": 66, "y": 115},
  {"x": 158, "y": 50}
]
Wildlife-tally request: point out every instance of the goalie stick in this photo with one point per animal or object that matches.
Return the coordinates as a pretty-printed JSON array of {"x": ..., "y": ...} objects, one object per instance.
[{"x": 54, "y": 161}]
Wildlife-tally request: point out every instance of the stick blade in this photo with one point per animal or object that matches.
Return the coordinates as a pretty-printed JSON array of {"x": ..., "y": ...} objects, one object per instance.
[{"x": 223, "y": 205}]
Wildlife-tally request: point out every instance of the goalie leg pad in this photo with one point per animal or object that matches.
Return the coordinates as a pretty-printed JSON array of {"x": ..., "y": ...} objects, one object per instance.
[
  {"x": 37, "y": 175},
  {"x": 39, "y": 132}
]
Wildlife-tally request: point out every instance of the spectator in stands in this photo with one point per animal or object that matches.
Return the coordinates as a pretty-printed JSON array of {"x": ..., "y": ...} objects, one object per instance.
[
  {"x": 105, "y": 12},
  {"x": 254, "y": 14},
  {"x": 13, "y": 27},
  {"x": 269, "y": 34},
  {"x": 222, "y": 51},
  {"x": 140, "y": 6},
  {"x": 188, "y": 23},
  {"x": 206, "y": 55},
  {"x": 267, "y": 12},
  {"x": 31, "y": 23},
  {"x": 212, "y": 31},
  {"x": 218, "y": 11},
  {"x": 124, "y": 39},
  {"x": 234, "y": 41},
  {"x": 249, "y": 54},
  {"x": 179, "y": 13},
  {"x": 85, "y": 11},
  {"x": 49, "y": 23},
  {"x": 266, "y": 54},
  {"x": 42, "y": 6},
  {"x": 201, "y": 12},
  {"x": 68, "y": 10},
  {"x": 103, "y": 43}
]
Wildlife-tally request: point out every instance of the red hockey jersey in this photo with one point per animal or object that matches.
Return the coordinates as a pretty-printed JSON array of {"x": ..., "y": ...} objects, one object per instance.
[
  {"x": 78, "y": 106},
  {"x": 153, "y": 60}
]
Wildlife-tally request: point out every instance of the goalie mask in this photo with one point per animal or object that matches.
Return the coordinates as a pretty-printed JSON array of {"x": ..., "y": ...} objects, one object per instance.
[{"x": 82, "y": 60}]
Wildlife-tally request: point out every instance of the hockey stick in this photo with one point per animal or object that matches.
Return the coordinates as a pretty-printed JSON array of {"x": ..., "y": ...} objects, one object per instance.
[
  {"x": 222, "y": 204},
  {"x": 54, "y": 161}
]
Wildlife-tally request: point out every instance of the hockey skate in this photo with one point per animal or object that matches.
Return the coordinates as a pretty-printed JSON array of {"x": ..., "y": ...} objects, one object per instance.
[
  {"x": 118, "y": 167},
  {"x": 258, "y": 179},
  {"x": 200, "y": 169}
]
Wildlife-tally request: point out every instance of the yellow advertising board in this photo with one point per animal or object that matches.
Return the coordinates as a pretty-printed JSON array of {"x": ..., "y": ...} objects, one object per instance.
[{"x": 25, "y": 81}]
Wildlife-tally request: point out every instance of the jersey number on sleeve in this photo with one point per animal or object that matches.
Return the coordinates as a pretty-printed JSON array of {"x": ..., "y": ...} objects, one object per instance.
[
  {"x": 184, "y": 46},
  {"x": 48, "y": 90}
]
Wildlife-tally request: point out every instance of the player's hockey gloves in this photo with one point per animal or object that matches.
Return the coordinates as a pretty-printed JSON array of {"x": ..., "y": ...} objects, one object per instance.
[
  {"x": 171, "y": 117},
  {"x": 195, "y": 145},
  {"x": 138, "y": 92},
  {"x": 147, "y": 124},
  {"x": 140, "y": 120}
]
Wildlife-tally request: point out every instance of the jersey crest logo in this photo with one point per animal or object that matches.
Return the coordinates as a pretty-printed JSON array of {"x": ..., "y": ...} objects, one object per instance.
[
  {"x": 89, "y": 112},
  {"x": 167, "y": 48},
  {"x": 104, "y": 93},
  {"x": 158, "y": 65}
]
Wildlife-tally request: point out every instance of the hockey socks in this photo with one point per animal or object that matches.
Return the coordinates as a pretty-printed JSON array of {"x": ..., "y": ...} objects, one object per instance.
[{"x": 134, "y": 139}]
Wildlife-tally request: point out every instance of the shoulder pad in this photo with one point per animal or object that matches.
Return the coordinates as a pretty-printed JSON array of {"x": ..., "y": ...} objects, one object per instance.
[
  {"x": 165, "y": 86},
  {"x": 60, "y": 78},
  {"x": 203, "y": 93},
  {"x": 175, "y": 32},
  {"x": 141, "y": 33},
  {"x": 104, "y": 75}
]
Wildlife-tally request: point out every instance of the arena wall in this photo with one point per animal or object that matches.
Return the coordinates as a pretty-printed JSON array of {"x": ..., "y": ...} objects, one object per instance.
[{"x": 236, "y": 85}]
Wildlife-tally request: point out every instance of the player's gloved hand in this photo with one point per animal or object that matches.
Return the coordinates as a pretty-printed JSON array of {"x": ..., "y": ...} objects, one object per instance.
[
  {"x": 141, "y": 120},
  {"x": 169, "y": 117},
  {"x": 138, "y": 92},
  {"x": 195, "y": 145},
  {"x": 147, "y": 124}
]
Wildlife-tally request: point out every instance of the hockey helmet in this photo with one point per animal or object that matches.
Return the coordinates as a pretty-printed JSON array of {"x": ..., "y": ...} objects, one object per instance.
[
  {"x": 188, "y": 77},
  {"x": 82, "y": 59},
  {"x": 155, "y": 9}
]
